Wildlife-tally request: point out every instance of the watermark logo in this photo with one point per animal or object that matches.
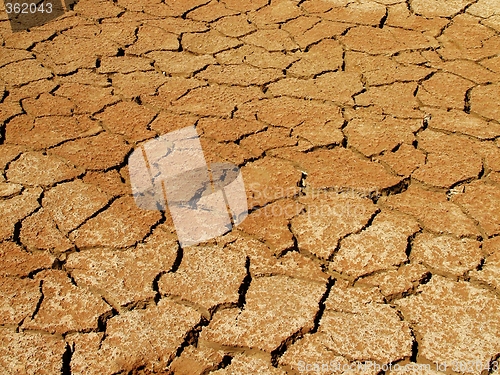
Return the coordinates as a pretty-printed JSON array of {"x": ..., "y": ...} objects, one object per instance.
[
  {"x": 204, "y": 201},
  {"x": 25, "y": 14}
]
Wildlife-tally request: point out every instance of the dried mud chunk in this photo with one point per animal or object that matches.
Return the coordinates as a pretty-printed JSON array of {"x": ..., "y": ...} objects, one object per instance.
[
  {"x": 71, "y": 203},
  {"x": 320, "y": 135},
  {"x": 243, "y": 365},
  {"x": 268, "y": 139},
  {"x": 371, "y": 331},
  {"x": 433, "y": 210},
  {"x": 380, "y": 246},
  {"x": 39, "y": 231},
  {"x": 484, "y": 101},
  {"x": 153, "y": 38},
  {"x": 367, "y": 13},
  {"x": 490, "y": 271},
  {"x": 14, "y": 261},
  {"x": 136, "y": 84},
  {"x": 148, "y": 338},
  {"x": 88, "y": 99},
  {"x": 123, "y": 224},
  {"x": 328, "y": 218},
  {"x": 196, "y": 361},
  {"x": 48, "y": 105},
  {"x": 335, "y": 86},
  {"x": 22, "y": 72},
  {"x": 18, "y": 299},
  {"x": 388, "y": 40},
  {"x": 215, "y": 100},
  {"x": 234, "y": 26},
  {"x": 482, "y": 202},
  {"x": 450, "y": 159},
  {"x": 459, "y": 122},
  {"x": 201, "y": 268},
  {"x": 436, "y": 8},
  {"x": 30, "y": 353},
  {"x": 400, "y": 16},
  {"x": 85, "y": 346},
  {"x": 109, "y": 182},
  {"x": 405, "y": 160},
  {"x": 396, "y": 281},
  {"x": 48, "y": 131},
  {"x": 276, "y": 307},
  {"x": 180, "y": 7},
  {"x": 124, "y": 64},
  {"x": 396, "y": 99},
  {"x": 14, "y": 209},
  {"x": 8, "y": 190},
  {"x": 270, "y": 224},
  {"x": 312, "y": 350},
  {"x": 210, "y": 12},
  {"x": 449, "y": 316},
  {"x": 128, "y": 119},
  {"x": 102, "y": 151},
  {"x": 272, "y": 40},
  {"x": 444, "y": 90},
  {"x": 208, "y": 43},
  {"x": 9, "y": 55},
  {"x": 269, "y": 179},
  {"x": 446, "y": 254},
  {"x": 65, "y": 307},
  {"x": 263, "y": 261},
  {"x": 125, "y": 276},
  {"x": 227, "y": 129},
  {"x": 322, "y": 57},
  {"x": 241, "y": 75},
  {"x": 180, "y": 63},
  {"x": 276, "y": 12},
  {"x": 245, "y": 5},
  {"x": 372, "y": 137},
  {"x": 103, "y": 9},
  {"x": 341, "y": 168}
]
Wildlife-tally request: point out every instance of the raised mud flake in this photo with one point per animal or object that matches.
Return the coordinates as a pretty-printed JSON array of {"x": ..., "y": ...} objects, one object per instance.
[
  {"x": 270, "y": 179},
  {"x": 338, "y": 87},
  {"x": 456, "y": 321},
  {"x": 18, "y": 299},
  {"x": 276, "y": 12},
  {"x": 30, "y": 353},
  {"x": 271, "y": 138},
  {"x": 10, "y": 55},
  {"x": 328, "y": 218},
  {"x": 459, "y": 122},
  {"x": 123, "y": 224},
  {"x": 276, "y": 308},
  {"x": 196, "y": 361},
  {"x": 202, "y": 268},
  {"x": 171, "y": 90},
  {"x": 482, "y": 202},
  {"x": 146, "y": 338},
  {"x": 180, "y": 63},
  {"x": 405, "y": 160},
  {"x": 9, "y": 190},
  {"x": 341, "y": 168},
  {"x": 396, "y": 281},
  {"x": 87, "y": 99},
  {"x": 435, "y": 8},
  {"x": 256, "y": 56},
  {"x": 484, "y": 101},
  {"x": 102, "y": 151},
  {"x": 264, "y": 262},
  {"x": 71, "y": 203},
  {"x": 125, "y": 276},
  {"x": 17, "y": 208},
  {"x": 128, "y": 119},
  {"x": 270, "y": 224},
  {"x": 446, "y": 254},
  {"x": 208, "y": 43},
  {"x": 490, "y": 271},
  {"x": 223, "y": 130},
  {"x": 450, "y": 159},
  {"x": 400, "y": 16},
  {"x": 322, "y": 57},
  {"x": 151, "y": 39},
  {"x": 22, "y": 72},
  {"x": 215, "y": 100},
  {"x": 380, "y": 246},
  {"x": 365, "y": 13},
  {"x": 210, "y": 12},
  {"x": 109, "y": 182},
  {"x": 65, "y": 307},
  {"x": 241, "y": 75},
  {"x": 14, "y": 261},
  {"x": 40, "y": 232},
  {"x": 444, "y": 90},
  {"x": 433, "y": 211},
  {"x": 272, "y": 40},
  {"x": 244, "y": 365},
  {"x": 361, "y": 327},
  {"x": 124, "y": 64},
  {"x": 136, "y": 84},
  {"x": 245, "y": 5},
  {"x": 48, "y": 105},
  {"x": 372, "y": 137},
  {"x": 234, "y": 26}
]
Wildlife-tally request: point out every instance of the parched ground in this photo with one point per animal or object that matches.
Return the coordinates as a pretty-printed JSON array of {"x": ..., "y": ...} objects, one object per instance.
[{"x": 368, "y": 135}]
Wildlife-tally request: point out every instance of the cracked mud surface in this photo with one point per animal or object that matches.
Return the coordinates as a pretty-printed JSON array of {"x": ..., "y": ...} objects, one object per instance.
[{"x": 368, "y": 135}]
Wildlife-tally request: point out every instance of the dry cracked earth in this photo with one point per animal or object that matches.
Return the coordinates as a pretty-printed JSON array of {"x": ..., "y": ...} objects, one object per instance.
[{"x": 368, "y": 135}]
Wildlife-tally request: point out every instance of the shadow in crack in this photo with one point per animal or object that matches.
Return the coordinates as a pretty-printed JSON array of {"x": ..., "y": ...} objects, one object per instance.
[{"x": 25, "y": 14}]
